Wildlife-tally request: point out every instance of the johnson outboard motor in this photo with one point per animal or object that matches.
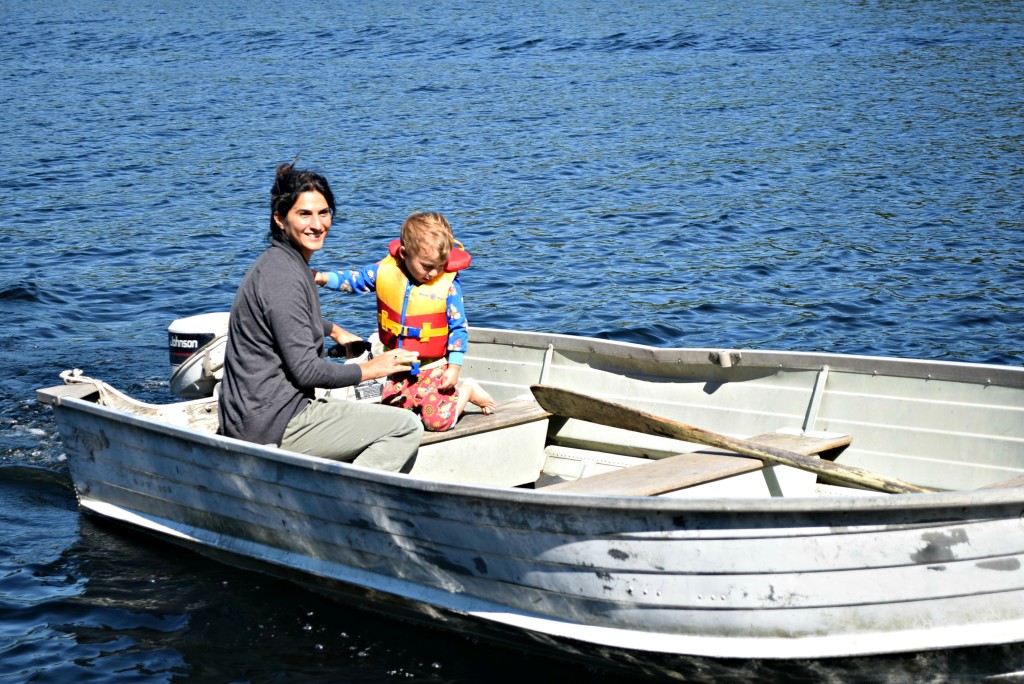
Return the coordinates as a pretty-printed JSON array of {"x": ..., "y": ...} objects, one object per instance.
[{"x": 196, "y": 346}]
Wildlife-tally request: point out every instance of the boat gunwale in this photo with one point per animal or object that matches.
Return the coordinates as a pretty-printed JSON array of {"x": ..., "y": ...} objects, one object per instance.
[
  {"x": 923, "y": 369},
  {"x": 958, "y": 499}
]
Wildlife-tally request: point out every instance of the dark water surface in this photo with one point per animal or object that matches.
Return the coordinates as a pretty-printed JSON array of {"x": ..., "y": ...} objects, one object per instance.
[{"x": 844, "y": 176}]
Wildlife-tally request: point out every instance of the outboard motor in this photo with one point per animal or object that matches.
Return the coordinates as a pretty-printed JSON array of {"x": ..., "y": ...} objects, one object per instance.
[{"x": 196, "y": 345}]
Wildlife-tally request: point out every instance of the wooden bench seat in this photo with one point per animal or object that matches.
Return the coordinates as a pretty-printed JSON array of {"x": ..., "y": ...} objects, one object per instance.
[
  {"x": 473, "y": 452},
  {"x": 688, "y": 470},
  {"x": 506, "y": 414}
]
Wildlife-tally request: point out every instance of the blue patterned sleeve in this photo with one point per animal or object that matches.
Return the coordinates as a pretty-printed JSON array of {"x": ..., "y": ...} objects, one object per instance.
[
  {"x": 458, "y": 328},
  {"x": 362, "y": 281}
]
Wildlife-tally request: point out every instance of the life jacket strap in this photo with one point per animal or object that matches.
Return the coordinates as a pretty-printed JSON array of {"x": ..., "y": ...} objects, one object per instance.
[{"x": 423, "y": 334}]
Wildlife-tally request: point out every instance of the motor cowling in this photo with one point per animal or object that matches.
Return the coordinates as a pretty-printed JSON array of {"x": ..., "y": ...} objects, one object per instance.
[{"x": 196, "y": 346}]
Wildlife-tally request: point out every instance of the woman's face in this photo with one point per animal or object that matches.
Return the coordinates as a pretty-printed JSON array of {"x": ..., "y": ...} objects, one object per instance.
[{"x": 307, "y": 222}]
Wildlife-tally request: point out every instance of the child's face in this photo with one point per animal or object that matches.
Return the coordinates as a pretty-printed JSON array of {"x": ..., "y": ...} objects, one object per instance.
[{"x": 423, "y": 265}]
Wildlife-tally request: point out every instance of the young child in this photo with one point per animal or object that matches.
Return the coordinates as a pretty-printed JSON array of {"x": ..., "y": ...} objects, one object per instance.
[{"x": 420, "y": 308}]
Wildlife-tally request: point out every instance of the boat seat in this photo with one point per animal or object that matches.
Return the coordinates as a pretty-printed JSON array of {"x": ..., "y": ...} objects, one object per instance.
[
  {"x": 473, "y": 453},
  {"x": 52, "y": 395},
  {"x": 506, "y": 414},
  {"x": 699, "y": 467}
]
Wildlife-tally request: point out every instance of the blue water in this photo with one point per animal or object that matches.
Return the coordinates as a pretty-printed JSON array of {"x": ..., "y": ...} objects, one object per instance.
[{"x": 844, "y": 176}]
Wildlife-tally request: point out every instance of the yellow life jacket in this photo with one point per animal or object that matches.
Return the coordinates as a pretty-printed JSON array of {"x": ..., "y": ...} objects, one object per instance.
[{"x": 414, "y": 317}]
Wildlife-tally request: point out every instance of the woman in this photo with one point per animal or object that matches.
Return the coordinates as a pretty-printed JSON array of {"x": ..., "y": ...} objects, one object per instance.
[{"x": 274, "y": 359}]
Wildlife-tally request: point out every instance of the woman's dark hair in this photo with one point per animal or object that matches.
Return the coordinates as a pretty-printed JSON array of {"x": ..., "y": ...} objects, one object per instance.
[{"x": 289, "y": 183}]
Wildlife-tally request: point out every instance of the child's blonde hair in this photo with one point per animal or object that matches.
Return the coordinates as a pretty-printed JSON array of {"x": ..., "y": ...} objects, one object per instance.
[{"x": 425, "y": 229}]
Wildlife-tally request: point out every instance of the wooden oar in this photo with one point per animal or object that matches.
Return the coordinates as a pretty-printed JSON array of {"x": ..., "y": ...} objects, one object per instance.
[
  {"x": 1006, "y": 484},
  {"x": 569, "y": 404}
]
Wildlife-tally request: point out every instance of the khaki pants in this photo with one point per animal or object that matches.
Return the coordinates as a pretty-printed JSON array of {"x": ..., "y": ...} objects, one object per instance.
[{"x": 371, "y": 435}]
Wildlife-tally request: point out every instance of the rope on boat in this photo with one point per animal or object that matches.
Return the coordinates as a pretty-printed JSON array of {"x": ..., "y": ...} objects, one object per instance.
[{"x": 108, "y": 394}]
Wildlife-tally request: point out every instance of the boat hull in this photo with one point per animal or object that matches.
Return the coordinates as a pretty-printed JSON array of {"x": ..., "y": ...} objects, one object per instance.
[
  {"x": 653, "y": 577},
  {"x": 789, "y": 579}
]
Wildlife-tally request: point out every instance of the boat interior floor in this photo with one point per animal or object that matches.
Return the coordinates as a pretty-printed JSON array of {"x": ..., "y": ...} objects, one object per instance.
[
  {"x": 704, "y": 466},
  {"x": 558, "y": 465}
]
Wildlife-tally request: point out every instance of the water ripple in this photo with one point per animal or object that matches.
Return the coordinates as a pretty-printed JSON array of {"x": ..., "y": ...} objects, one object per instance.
[{"x": 849, "y": 179}]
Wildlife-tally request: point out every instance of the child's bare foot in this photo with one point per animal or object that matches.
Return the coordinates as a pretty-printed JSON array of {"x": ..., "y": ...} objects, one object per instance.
[
  {"x": 471, "y": 391},
  {"x": 481, "y": 397}
]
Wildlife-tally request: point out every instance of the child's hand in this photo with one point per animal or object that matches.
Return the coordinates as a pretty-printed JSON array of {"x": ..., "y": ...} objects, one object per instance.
[
  {"x": 451, "y": 376},
  {"x": 341, "y": 336},
  {"x": 320, "y": 278}
]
